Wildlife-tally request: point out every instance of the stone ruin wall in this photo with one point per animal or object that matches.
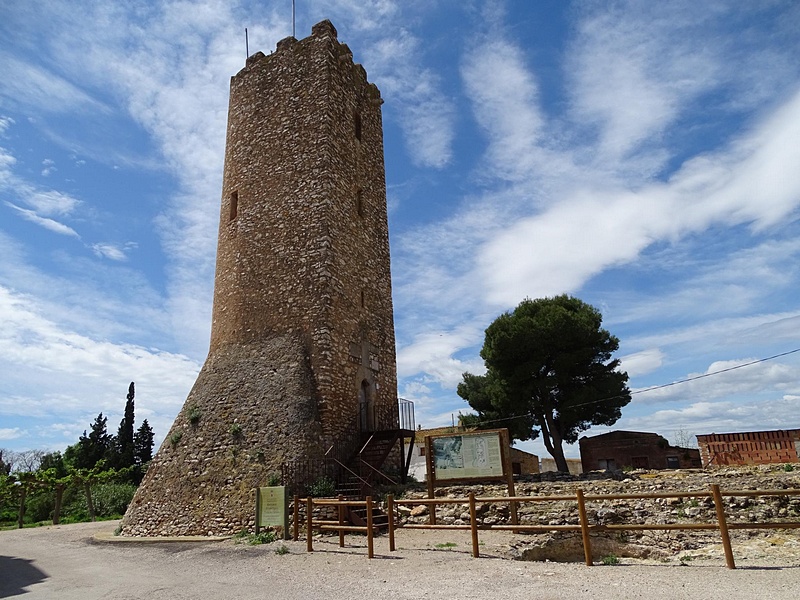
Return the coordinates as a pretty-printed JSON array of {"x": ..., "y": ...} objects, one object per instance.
[{"x": 302, "y": 306}]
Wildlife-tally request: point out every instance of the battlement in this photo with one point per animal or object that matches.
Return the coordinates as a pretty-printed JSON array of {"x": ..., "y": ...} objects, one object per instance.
[{"x": 325, "y": 32}]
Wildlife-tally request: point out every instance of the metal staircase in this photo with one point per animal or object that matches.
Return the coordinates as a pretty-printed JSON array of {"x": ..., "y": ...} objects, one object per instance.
[{"x": 357, "y": 463}]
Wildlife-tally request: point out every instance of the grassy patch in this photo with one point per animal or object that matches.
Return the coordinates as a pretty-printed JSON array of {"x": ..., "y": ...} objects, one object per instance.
[
  {"x": 445, "y": 545},
  {"x": 252, "y": 539}
]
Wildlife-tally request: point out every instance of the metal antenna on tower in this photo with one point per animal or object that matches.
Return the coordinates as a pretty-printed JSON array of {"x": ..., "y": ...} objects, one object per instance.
[
  {"x": 293, "y": 35},
  {"x": 246, "y": 44}
]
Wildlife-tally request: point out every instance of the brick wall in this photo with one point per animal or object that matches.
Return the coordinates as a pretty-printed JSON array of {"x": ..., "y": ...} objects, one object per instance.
[
  {"x": 632, "y": 449},
  {"x": 754, "y": 447}
]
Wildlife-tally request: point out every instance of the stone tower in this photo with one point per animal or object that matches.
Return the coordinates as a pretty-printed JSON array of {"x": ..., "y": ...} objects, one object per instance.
[{"x": 302, "y": 352}]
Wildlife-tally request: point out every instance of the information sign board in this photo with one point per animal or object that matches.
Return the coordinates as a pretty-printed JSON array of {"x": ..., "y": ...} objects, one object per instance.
[{"x": 272, "y": 509}]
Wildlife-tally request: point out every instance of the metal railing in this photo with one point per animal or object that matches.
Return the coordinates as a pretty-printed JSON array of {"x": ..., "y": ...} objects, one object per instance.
[{"x": 297, "y": 475}]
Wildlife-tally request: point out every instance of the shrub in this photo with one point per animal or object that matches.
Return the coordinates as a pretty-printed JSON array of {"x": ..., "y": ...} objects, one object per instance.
[
  {"x": 323, "y": 487},
  {"x": 175, "y": 438},
  {"x": 110, "y": 500},
  {"x": 252, "y": 539},
  {"x": 611, "y": 559}
]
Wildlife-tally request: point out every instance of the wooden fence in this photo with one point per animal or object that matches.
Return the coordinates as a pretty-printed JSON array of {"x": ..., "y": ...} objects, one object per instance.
[{"x": 586, "y": 529}]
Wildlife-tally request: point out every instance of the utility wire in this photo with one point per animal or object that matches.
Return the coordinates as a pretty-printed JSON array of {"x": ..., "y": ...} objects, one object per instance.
[
  {"x": 664, "y": 385},
  {"x": 733, "y": 368}
]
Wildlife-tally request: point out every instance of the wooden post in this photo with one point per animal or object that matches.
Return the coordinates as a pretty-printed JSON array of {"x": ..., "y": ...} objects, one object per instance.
[
  {"x": 370, "y": 548},
  {"x": 309, "y": 524},
  {"x": 341, "y": 521},
  {"x": 723, "y": 526},
  {"x": 431, "y": 476},
  {"x": 505, "y": 451},
  {"x": 258, "y": 511},
  {"x": 587, "y": 542},
  {"x": 296, "y": 523},
  {"x": 473, "y": 523},
  {"x": 390, "y": 510}
]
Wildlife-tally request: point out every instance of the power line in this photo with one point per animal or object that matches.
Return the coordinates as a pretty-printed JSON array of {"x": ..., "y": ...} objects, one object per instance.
[
  {"x": 664, "y": 385},
  {"x": 733, "y": 368}
]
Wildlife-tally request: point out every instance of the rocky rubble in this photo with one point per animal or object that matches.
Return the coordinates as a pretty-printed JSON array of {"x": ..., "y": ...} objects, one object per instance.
[{"x": 567, "y": 546}]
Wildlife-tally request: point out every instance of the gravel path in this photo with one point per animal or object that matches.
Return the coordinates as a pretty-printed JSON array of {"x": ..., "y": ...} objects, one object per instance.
[{"x": 67, "y": 562}]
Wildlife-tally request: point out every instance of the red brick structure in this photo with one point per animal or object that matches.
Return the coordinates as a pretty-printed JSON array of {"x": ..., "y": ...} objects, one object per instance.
[
  {"x": 750, "y": 448},
  {"x": 637, "y": 450}
]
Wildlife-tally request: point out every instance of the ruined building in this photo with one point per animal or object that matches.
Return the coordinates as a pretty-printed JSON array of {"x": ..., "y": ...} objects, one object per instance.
[{"x": 302, "y": 354}]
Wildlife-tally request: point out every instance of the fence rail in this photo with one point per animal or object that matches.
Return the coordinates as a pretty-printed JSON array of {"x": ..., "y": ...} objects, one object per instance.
[{"x": 715, "y": 493}]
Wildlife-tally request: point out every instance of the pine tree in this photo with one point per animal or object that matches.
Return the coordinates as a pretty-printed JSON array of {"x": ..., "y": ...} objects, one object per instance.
[
  {"x": 95, "y": 446},
  {"x": 143, "y": 444}
]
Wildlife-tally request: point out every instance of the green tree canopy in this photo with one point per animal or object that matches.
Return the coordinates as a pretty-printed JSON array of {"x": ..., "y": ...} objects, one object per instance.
[
  {"x": 124, "y": 442},
  {"x": 91, "y": 448},
  {"x": 143, "y": 444},
  {"x": 548, "y": 370}
]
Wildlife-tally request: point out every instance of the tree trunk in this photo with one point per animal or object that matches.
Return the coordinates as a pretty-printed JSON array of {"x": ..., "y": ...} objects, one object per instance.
[
  {"x": 556, "y": 443},
  {"x": 57, "y": 507},
  {"x": 89, "y": 504}
]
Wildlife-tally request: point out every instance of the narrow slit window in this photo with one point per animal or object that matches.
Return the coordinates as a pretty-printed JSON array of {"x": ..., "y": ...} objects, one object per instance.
[
  {"x": 234, "y": 205},
  {"x": 360, "y": 202},
  {"x": 363, "y": 303},
  {"x": 358, "y": 126}
]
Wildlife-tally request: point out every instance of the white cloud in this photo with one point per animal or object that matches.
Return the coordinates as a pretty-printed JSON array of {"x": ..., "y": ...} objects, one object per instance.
[
  {"x": 49, "y": 202},
  {"x": 32, "y": 86},
  {"x": 505, "y": 99},
  {"x": 642, "y": 362},
  {"x": 426, "y": 114},
  {"x": 49, "y": 224},
  {"x": 728, "y": 378},
  {"x": 719, "y": 417},
  {"x": 11, "y": 433},
  {"x": 109, "y": 251},
  {"x": 5, "y": 123},
  {"x": 79, "y": 375},
  {"x": 558, "y": 250},
  {"x": 432, "y": 353}
]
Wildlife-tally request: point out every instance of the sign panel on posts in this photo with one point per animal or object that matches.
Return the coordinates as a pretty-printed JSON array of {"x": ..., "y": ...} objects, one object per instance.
[
  {"x": 469, "y": 456},
  {"x": 272, "y": 509},
  {"x": 477, "y": 455}
]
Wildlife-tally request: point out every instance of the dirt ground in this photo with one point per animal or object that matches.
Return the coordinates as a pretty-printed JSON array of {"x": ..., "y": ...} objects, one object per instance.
[{"x": 71, "y": 562}]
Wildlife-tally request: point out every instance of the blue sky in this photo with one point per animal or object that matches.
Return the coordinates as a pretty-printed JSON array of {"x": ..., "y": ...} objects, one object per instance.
[{"x": 642, "y": 156}]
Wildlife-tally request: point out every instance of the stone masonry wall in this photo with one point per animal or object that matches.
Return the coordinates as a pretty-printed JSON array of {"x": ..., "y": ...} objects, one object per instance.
[{"x": 302, "y": 317}]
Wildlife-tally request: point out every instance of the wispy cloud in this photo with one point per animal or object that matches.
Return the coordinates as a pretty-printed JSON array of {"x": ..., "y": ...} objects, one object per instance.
[
  {"x": 425, "y": 112},
  {"x": 45, "y": 222},
  {"x": 30, "y": 85},
  {"x": 10, "y": 433},
  {"x": 111, "y": 251}
]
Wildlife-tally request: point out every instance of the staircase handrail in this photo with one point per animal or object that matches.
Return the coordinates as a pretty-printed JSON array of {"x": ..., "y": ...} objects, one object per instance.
[
  {"x": 349, "y": 470},
  {"x": 378, "y": 471},
  {"x": 364, "y": 447}
]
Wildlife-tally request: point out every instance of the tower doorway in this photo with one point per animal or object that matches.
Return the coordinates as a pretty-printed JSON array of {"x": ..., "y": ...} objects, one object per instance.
[{"x": 366, "y": 407}]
